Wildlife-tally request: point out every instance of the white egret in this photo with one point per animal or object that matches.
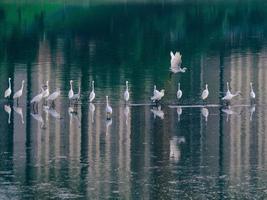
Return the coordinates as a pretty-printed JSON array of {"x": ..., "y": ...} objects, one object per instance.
[
  {"x": 8, "y": 110},
  {"x": 176, "y": 61},
  {"x": 8, "y": 90},
  {"x": 252, "y": 93},
  {"x": 205, "y": 93},
  {"x": 126, "y": 93},
  {"x": 229, "y": 96},
  {"x": 38, "y": 97},
  {"x": 179, "y": 92},
  {"x": 92, "y": 93},
  {"x": 18, "y": 94},
  {"x": 158, "y": 112},
  {"x": 70, "y": 95},
  {"x": 108, "y": 109},
  {"x": 205, "y": 113},
  {"x": 18, "y": 110},
  {"x": 52, "y": 97},
  {"x": 157, "y": 95}
]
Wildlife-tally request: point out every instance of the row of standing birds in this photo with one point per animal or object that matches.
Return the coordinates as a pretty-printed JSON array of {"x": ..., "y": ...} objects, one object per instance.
[{"x": 176, "y": 61}]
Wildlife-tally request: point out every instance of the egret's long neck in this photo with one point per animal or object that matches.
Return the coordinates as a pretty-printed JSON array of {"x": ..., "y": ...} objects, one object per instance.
[
  {"x": 178, "y": 86},
  {"x": 79, "y": 91},
  {"x": 206, "y": 87},
  {"x": 107, "y": 101},
  {"x": 9, "y": 83},
  {"x": 22, "y": 85},
  {"x": 71, "y": 85},
  {"x": 251, "y": 87},
  {"x": 126, "y": 86},
  {"x": 93, "y": 86}
]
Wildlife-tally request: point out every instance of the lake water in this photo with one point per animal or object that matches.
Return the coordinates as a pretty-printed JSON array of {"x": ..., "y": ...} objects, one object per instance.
[{"x": 184, "y": 151}]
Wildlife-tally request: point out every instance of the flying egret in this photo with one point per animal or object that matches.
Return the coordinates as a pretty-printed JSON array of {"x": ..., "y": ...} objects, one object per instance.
[
  {"x": 8, "y": 90},
  {"x": 92, "y": 93},
  {"x": 176, "y": 61},
  {"x": 205, "y": 93},
  {"x": 179, "y": 92},
  {"x": 126, "y": 93},
  {"x": 252, "y": 93},
  {"x": 18, "y": 94},
  {"x": 157, "y": 95},
  {"x": 108, "y": 109},
  {"x": 70, "y": 95}
]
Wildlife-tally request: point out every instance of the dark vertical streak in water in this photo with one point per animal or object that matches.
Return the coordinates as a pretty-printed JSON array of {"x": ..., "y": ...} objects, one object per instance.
[
  {"x": 28, "y": 168},
  {"x": 221, "y": 135}
]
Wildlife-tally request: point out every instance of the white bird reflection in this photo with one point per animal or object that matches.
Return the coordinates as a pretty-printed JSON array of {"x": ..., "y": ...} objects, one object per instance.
[
  {"x": 39, "y": 118},
  {"x": 74, "y": 115},
  {"x": 179, "y": 112},
  {"x": 8, "y": 110},
  {"x": 92, "y": 111},
  {"x": 126, "y": 113},
  {"x": 205, "y": 113},
  {"x": 52, "y": 112},
  {"x": 19, "y": 111},
  {"x": 228, "y": 112},
  {"x": 251, "y": 111},
  {"x": 157, "y": 112},
  {"x": 175, "y": 153},
  {"x": 108, "y": 124}
]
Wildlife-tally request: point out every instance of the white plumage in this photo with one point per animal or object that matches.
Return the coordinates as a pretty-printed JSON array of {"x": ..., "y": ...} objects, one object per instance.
[
  {"x": 108, "y": 108},
  {"x": 157, "y": 95},
  {"x": 38, "y": 97},
  {"x": 92, "y": 93},
  {"x": 228, "y": 96},
  {"x": 176, "y": 61},
  {"x": 18, "y": 94},
  {"x": 8, "y": 90},
  {"x": 54, "y": 95},
  {"x": 70, "y": 95},
  {"x": 126, "y": 93},
  {"x": 205, "y": 93},
  {"x": 179, "y": 92}
]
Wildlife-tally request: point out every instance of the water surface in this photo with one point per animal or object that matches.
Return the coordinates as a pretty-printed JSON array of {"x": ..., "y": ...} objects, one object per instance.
[{"x": 186, "y": 152}]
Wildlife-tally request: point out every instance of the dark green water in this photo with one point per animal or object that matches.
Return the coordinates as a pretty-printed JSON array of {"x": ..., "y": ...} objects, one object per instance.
[{"x": 181, "y": 155}]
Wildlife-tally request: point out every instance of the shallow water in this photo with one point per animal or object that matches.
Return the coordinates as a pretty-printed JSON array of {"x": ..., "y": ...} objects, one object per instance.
[{"x": 185, "y": 149}]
